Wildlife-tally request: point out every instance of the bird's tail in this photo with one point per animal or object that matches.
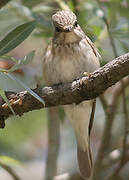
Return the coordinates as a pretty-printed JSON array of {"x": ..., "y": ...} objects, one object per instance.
[
  {"x": 81, "y": 120},
  {"x": 85, "y": 161}
]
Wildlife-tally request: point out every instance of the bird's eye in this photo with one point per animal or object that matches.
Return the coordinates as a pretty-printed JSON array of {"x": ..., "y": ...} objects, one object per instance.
[
  {"x": 57, "y": 29},
  {"x": 76, "y": 24}
]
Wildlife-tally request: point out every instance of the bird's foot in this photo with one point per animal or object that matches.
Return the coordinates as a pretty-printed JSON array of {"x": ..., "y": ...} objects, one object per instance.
[{"x": 84, "y": 74}]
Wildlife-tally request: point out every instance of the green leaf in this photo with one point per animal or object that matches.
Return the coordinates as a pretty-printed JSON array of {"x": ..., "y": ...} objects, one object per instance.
[
  {"x": 62, "y": 4},
  {"x": 8, "y": 57},
  {"x": 27, "y": 59},
  {"x": 97, "y": 30},
  {"x": 3, "y": 70},
  {"x": 26, "y": 88},
  {"x": 71, "y": 4},
  {"x": 2, "y": 93},
  {"x": 16, "y": 36},
  {"x": 9, "y": 161}
]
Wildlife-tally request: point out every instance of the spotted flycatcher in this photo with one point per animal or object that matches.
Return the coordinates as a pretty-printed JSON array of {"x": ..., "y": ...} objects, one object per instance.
[{"x": 67, "y": 57}]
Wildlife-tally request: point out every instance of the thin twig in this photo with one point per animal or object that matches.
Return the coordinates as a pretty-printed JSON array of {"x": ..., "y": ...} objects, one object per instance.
[
  {"x": 10, "y": 171},
  {"x": 110, "y": 114},
  {"x": 104, "y": 103},
  {"x": 114, "y": 157},
  {"x": 115, "y": 173},
  {"x": 124, "y": 150},
  {"x": 112, "y": 42},
  {"x": 106, "y": 137},
  {"x": 62, "y": 4},
  {"x": 76, "y": 6},
  {"x": 126, "y": 125},
  {"x": 124, "y": 101},
  {"x": 53, "y": 143},
  {"x": 123, "y": 159},
  {"x": 3, "y": 3}
]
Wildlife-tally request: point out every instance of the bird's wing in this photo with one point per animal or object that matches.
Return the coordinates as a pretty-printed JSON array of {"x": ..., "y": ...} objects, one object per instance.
[
  {"x": 95, "y": 50},
  {"x": 92, "y": 115},
  {"x": 46, "y": 58}
]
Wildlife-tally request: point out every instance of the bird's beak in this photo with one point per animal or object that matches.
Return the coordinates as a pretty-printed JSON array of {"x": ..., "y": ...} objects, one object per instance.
[{"x": 68, "y": 28}]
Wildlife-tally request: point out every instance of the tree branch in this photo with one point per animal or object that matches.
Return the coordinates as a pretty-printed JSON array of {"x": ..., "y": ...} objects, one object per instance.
[
  {"x": 110, "y": 113},
  {"x": 3, "y": 3},
  {"x": 85, "y": 88},
  {"x": 10, "y": 171}
]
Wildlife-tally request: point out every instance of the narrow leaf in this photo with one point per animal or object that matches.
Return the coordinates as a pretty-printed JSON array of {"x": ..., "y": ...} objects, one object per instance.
[
  {"x": 16, "y": 36},
  {"x": 6, "y": 57},
  {"x": 9, "y": 161},
  {"x": 26, "y": 88},
  {"x": 2, "y": 93},
  {"x": 3, "y": 70},
  {"x": 26, "y": 60}
]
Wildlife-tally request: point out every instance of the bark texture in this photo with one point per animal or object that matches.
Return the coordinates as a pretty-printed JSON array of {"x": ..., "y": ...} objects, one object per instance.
[{"x": 86, "y": 88}]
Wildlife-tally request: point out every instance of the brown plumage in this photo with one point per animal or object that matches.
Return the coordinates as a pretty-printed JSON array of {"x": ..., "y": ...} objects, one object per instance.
[{"x": 68, "y": 56}]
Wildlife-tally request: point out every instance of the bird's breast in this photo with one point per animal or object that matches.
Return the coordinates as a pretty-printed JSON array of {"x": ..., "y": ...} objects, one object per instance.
[{"x": 68, "y": 62}]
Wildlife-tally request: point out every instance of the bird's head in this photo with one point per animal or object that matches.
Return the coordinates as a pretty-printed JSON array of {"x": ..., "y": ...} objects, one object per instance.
[{"x": 67, "y": 29}]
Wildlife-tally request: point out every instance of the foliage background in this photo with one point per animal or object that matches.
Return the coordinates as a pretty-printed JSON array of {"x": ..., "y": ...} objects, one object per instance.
[{"x": 25, "y": 138}]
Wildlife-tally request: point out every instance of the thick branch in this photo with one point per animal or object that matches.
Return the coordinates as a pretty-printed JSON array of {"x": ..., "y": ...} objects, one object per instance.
[{"x": 85, "y": 88}]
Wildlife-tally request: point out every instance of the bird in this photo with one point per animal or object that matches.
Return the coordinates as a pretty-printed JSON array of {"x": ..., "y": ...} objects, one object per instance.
[{"x": 68, "y": 56}]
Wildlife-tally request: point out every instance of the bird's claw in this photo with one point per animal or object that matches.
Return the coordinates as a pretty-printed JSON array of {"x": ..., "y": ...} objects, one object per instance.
[{"x": 86, "y": 74}]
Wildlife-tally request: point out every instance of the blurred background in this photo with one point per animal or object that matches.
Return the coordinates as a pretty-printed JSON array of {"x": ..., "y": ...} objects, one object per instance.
[{"x": 25, "y": 141}]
